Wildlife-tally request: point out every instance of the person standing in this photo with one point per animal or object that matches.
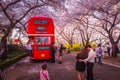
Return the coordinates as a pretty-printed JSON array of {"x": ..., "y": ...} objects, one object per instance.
[
  {"x": 90, "y": 62},
  {"x": 61, "y": 53},
  {"x": 99, "y": 53},
  {"x": 29, "y": 48},
  {"x": 108, "y": 49},
  {"x": 44, "y": 75},
  {"x": 53, "y": 51},
  {"x": 80, "y": 65}
]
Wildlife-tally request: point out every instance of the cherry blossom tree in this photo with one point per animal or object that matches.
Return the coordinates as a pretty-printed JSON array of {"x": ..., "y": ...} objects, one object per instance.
[
  {"x": 107, "y": 12},
  {"x": 14, "y": 11}
]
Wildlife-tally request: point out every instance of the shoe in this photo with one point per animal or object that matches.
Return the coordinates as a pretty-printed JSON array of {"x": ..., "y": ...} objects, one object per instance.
[
  {"x": 60, "y": 62},
  {"x": 101, "y": 63}
]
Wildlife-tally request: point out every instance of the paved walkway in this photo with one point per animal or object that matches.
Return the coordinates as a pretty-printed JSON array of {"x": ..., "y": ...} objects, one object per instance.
[
  {"x": 25, "y": 70},
  {"x": 113, "y": 62}
]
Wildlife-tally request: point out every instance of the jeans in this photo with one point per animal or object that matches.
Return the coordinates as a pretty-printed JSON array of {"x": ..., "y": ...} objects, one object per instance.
[
  {"x": 28, "y": 52},
  {"x": 99, "y": 60}
]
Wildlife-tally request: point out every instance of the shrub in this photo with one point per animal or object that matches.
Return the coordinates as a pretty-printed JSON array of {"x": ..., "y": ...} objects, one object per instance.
[
  {"x": 16, "y": 47},
  {"x": 75, "y": 47},
  {"x": 8, "y": 62}
]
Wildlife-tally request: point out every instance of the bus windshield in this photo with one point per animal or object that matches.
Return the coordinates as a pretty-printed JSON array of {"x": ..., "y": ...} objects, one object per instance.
[{"x": 42, "y": 40}]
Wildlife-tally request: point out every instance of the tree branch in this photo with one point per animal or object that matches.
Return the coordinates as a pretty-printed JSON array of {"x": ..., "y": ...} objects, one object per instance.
[
  {"x": 5, "y": 12},
  {"x": 10, "y": 4},
  {"x": 28, "y": 12}
]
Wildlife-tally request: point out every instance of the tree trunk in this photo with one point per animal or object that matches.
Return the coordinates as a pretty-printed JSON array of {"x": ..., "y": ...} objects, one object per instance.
[
  {"x": 4, "y": 47},
  {"x": 114, "y": 50}
]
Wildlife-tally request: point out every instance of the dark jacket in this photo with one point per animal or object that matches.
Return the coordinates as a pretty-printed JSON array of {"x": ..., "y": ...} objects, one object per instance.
[{"x": 53, "y": 50}]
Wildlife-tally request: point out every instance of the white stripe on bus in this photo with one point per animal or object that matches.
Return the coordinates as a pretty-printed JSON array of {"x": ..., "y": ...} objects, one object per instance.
[{"x": 40, "y": 34}]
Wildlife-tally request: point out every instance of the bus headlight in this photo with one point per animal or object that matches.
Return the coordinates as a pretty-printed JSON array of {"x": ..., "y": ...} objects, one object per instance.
[{"x": 42, "y": 55}]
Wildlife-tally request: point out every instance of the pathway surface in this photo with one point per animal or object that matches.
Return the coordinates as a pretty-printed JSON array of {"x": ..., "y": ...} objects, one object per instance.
[{"x": 26, "y": 70}]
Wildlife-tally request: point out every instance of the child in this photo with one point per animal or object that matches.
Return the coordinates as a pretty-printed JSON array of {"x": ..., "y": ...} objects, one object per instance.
[{"x": 44, "y": 73}]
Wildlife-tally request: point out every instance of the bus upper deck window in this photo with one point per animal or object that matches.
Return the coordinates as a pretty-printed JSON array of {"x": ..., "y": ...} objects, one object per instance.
[{"x": 41, "y": 22}]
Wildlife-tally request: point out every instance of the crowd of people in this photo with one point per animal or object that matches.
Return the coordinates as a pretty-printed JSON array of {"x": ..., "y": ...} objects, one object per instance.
[
  {"x": 86, "y": 58},
  {"x": 84, "y": 61},
  {"x": 44, "y": 72}
]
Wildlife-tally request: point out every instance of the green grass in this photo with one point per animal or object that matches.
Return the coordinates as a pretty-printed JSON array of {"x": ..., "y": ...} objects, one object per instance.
[
  {"x": 12, "y": 60},
  {"x": 13, "y": 54}
]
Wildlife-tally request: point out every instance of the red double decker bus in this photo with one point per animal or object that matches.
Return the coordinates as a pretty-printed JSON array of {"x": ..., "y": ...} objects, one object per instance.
[{"x": 41, "y": 29}]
